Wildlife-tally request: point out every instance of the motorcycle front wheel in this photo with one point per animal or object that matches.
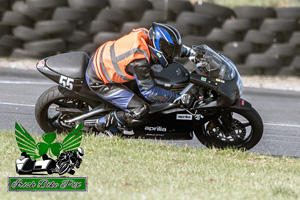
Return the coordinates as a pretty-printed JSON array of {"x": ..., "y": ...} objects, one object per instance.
[
  {"x": 238, "y": 129},
  {"x": 48, "y": 108},
  {"x": 64, "y": 168}
]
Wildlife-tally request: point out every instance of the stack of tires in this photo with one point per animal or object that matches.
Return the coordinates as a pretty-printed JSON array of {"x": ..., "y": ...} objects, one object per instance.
[
  {"x": 260, "y": 40},
  {"x": 39, "y": 28},
  {"x": 271, "y": 38}
]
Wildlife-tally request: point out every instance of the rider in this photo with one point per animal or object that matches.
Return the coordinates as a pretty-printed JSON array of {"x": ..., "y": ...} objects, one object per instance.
[
  {"x": 69, "y": 156},
  {"x": 130, "y": 58}
]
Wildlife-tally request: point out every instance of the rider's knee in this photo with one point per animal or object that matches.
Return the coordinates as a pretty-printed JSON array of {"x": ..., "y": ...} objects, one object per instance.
[
  {"x": 141, "y": 112},
  {"x": 136, "y": 116}
]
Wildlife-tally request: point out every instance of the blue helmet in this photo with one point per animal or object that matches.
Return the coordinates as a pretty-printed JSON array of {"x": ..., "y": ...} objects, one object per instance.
[{"x": 166, "y": 43}]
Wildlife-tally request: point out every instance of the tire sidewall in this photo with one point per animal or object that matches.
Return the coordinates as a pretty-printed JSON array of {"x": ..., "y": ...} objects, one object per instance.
[
  {"x": 46, "y": 99},
  {"x": 257, "y": 130}
]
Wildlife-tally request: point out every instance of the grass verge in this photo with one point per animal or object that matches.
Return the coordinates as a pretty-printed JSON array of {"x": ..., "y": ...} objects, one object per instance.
[{"x": 127, "y": 169}]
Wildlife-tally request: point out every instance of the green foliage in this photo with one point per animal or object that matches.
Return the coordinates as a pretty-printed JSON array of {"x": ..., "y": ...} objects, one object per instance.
[{"x": 134, "y": 169}]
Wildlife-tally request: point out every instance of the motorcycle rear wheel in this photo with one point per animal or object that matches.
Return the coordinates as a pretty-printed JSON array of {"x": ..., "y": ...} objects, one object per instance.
[
  {"x": 244, "y": 132},
  {"x": 49, "y": 118}
]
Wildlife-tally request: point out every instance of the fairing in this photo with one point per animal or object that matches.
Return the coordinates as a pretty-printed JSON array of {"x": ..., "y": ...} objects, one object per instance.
[{"x": 172, "y": 76}]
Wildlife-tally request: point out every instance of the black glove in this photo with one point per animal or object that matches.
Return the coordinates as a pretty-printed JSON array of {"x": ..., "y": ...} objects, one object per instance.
[
  {"x": 197, "y": 53},
  {"x": 185, "y": 99}
]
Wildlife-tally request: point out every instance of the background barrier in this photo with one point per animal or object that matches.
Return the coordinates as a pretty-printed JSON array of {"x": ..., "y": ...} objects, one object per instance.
[{"x": 260, "y": 40}]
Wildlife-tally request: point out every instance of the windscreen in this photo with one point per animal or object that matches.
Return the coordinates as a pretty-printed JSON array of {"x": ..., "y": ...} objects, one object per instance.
[{"x": 217, "y": 65}]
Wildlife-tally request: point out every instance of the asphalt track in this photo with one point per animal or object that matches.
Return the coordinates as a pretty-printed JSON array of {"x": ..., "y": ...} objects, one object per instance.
[{"x": 280, "y": 111}]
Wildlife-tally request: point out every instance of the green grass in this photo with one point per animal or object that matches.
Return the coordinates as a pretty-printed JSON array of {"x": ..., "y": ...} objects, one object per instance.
[
  {"x": 131, "y": 169},
  {"x": 271, "y": 3}
]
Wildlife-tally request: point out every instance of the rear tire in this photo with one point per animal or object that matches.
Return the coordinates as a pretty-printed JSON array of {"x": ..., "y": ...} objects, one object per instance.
[
  {"x": 61, "y": 97},
  {"x": 247, "y": 141}
]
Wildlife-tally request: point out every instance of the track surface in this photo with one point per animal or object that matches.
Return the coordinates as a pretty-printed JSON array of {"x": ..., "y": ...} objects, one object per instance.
[{"x": 280, "y": 111}]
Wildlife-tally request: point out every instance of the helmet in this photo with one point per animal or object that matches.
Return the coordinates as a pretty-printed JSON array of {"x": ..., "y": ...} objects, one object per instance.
[
  {"x": 166, "y": 42},
  {"x": 80, "y": 152}
]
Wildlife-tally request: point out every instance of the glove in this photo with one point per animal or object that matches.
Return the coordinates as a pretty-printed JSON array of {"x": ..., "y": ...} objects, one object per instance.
[
  {"x": 197, "y": 53},
  {"x": 194, "y": 58},
  {"x": 185, "y": 99}
]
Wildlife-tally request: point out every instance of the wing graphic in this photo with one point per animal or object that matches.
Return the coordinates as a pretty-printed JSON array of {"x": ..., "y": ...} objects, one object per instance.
[
  {"x": 73, "y": 139},
  {"x": 25, "y": 142}
]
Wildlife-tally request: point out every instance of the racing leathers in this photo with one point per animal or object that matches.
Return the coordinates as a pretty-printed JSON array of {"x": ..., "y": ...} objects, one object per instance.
[{"x": 106, "y": 77}]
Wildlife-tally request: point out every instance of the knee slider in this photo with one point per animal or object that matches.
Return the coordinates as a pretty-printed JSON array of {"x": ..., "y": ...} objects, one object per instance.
[
  {"x": 141, "y": 112},
  {"x": 137, "y": 116}
]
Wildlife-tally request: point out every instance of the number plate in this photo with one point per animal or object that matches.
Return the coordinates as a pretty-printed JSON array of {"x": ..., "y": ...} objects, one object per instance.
[{"x": 66, "y": 82}]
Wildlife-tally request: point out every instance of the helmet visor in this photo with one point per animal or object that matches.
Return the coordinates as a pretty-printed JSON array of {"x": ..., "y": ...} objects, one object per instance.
[{"x": 170, "y": 50}]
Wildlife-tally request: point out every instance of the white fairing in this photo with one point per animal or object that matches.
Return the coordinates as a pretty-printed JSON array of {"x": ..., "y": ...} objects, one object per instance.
[{"x": 21, "y": 163}]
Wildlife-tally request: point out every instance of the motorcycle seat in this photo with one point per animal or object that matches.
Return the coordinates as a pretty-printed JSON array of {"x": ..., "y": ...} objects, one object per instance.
[{"x": 71, "y": 64}]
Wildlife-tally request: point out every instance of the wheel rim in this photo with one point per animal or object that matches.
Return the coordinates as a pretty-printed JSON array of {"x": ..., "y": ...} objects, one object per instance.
[
  {"x": 238, "y": 133},
  {"x": 64, "y": 168},
  {"x": 56, "y": 118}
]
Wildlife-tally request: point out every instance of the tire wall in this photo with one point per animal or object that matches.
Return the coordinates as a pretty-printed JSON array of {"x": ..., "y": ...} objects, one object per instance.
[{"x": 259, "y": 40}]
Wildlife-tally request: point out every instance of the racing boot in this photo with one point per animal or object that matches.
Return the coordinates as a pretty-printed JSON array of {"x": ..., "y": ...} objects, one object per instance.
[
  {"x": 109, "y": 124},
  {"x": 101, "y": 124}
]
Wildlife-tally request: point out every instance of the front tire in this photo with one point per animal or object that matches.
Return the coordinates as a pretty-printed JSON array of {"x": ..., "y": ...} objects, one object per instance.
[
  {"x": 64, "y": 168},
  {"x": 49, "y": 118},
  {"x": 244, "y": 130}
]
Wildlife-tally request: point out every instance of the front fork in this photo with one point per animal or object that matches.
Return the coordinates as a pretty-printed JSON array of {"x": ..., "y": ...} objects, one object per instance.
[{"x": 219, "y": 115}]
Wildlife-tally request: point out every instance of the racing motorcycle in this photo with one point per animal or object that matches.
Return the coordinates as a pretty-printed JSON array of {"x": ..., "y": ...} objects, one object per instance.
[
  {"x": 66, "y": 167},
  {"x": 216, "y": 114}
]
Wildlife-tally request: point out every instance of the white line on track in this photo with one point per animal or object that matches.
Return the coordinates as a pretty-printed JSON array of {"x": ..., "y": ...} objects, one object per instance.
[
  {"x": 26, "y": 82},
  {"x": 289, "y": 125},
  {"x": 16, "y": 104}
]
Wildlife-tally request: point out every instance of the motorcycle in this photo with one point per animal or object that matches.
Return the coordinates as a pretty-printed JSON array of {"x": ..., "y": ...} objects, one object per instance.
[
  {"x": 216, "y": 114},
  {"x": 66, "y": 167}
]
